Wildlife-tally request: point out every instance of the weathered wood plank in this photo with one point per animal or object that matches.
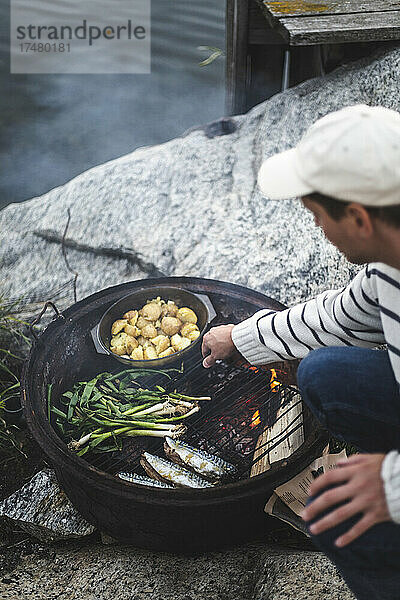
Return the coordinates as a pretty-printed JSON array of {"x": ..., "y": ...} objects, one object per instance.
[
  {"x": 274, "y": 443},
  {"x": 260, "y": 29},
  {"x": 294, "y": 8},
  {"x": 332, "y": 29},
  {"x": 237, "y": 67}
]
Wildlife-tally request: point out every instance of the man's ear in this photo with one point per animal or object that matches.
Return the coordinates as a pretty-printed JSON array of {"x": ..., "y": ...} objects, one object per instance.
[{"x": 361, "y": 219}]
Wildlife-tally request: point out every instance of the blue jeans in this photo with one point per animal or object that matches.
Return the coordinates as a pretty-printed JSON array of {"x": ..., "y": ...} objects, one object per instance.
[{"x": 354, "y": 395}]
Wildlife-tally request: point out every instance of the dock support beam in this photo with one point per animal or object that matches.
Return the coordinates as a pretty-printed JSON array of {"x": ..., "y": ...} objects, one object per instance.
[{"x": 237, "y": 59}]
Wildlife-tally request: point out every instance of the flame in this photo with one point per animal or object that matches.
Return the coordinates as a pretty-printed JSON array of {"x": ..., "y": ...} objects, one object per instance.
[
  {"x": 274, "y": 385},
  {"x": 273, "y": 382},
  {"x": 255, "y": 419}
]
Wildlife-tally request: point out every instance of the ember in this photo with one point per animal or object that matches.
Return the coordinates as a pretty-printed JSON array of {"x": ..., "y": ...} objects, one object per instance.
[{"x": 255, "y": 419}]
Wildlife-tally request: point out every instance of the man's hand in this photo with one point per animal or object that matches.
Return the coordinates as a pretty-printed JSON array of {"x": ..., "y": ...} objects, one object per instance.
[
  {"x": 217, "y": 344},
  {"x": 362, "y": 490}
]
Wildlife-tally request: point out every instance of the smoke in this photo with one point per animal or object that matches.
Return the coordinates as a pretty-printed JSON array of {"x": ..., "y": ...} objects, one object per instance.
[{"x": 53, "y": 127}]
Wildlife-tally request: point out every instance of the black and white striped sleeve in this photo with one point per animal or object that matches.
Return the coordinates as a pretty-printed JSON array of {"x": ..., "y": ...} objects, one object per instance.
[
  {"x": 346, "y": 317},
  {"x": 391, "y": 479}
]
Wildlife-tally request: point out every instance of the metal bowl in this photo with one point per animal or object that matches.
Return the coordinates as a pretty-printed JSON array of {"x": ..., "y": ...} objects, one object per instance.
[{"x": 199, "y": 303}]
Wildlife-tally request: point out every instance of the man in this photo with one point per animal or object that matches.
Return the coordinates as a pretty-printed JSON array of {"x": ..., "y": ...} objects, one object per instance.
[{"x": 346, "y": 169}]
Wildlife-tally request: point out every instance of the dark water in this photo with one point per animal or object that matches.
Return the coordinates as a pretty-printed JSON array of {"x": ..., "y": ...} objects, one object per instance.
[{"x": 53, "y": 127}]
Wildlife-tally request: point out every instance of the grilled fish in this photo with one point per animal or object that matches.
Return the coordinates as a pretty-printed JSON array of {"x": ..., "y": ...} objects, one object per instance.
[
  {"x": 169, "y": 472},
  {"x": 143, "y": 480},
  {"x": 207, "y": 465}
]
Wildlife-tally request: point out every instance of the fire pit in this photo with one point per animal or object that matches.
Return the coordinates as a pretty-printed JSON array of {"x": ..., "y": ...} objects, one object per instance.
[{"x": 246, "y": 401}]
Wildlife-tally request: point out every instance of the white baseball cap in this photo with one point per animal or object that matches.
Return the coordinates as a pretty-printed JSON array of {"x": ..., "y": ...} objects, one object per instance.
[{"x": 352, "y": 155}]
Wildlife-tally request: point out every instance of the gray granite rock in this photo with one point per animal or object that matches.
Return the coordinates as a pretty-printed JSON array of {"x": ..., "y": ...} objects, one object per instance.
[
  {"x": 102, "y": 572},
  {"x": 191, "y": 206},
  {"x": 96, "y": 572},
  {"x": 42, "y": 509},
  {"x": 299, "y": 576}
]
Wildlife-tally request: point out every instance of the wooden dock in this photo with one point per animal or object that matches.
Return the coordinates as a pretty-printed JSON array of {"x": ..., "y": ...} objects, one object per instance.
[{"x": 261, "y": 34}]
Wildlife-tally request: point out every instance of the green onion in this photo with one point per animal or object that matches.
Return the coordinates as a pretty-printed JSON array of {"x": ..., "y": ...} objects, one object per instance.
[{"x": 101, "y": 412}]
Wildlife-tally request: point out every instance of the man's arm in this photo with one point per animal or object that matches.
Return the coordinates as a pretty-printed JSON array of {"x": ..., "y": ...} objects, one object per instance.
[
  {"x": 391, "y": 480},
  {"x": 346, "y": 317},
  {"x": 354, "y": 488}
]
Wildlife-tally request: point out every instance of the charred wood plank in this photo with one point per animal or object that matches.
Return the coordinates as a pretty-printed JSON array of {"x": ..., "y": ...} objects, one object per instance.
[{"x": 127, "y": 254}]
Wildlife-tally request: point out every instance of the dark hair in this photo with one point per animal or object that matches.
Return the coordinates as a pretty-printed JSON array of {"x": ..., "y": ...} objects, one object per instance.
[{"x": 337, "y": 208}]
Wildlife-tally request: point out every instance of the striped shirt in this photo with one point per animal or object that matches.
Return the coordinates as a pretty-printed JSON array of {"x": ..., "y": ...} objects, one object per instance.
[{"x": 365, "y": 313}]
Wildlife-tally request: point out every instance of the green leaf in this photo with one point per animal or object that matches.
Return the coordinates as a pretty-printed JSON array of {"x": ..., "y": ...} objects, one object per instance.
[
  {"x": 96, "y": 441},
  {"x": 83, "y": 451},
  {"x": 215, "y": 53},
  {"x": 49, "y": 389},
  {"x": 72, "y": 404}
]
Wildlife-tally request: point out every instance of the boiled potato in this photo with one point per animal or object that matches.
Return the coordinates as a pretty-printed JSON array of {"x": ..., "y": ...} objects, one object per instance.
[
  {"x": 179, "y": 343},
  {"x": 148, "y": 331},
  {"x": 159, "y": 329},
  {"x": 161, "y": 343},
  {"x": 132, "y": 330},
  {"x": 176, "y": 341},
  {"x": 171, "y": 325},
  {"x": 187, "y": 315},
  {"x": 119, "y": 343},
  {"x": 169, "y": 309},
  {"x": 193, "y": 335},
  {"x": 119, "y": 350},
  {"x": 184, "y": 343},
  {"x": 150, "y": 353},
  {"x": 151, "y": 311},
  {"x": 131, "y": 344},
  {"x": 188, "y": 328},
  {"x": 118, "y": 326},
  {"x": 132, "y": 316},
  {"x": 142, "y": 322},
  {"x": 119, "y": 339},
  {"x": 166, "y": 352},
  {"x": 137, "y": 354},
  {"x": 143, "y": 341},
  {"x": 172, "y": 309}
]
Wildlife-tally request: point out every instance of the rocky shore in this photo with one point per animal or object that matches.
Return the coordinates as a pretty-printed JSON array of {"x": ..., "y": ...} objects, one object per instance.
[
  {"x": 92, "y": 571},
  {"x": 191, "y": 206}
]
